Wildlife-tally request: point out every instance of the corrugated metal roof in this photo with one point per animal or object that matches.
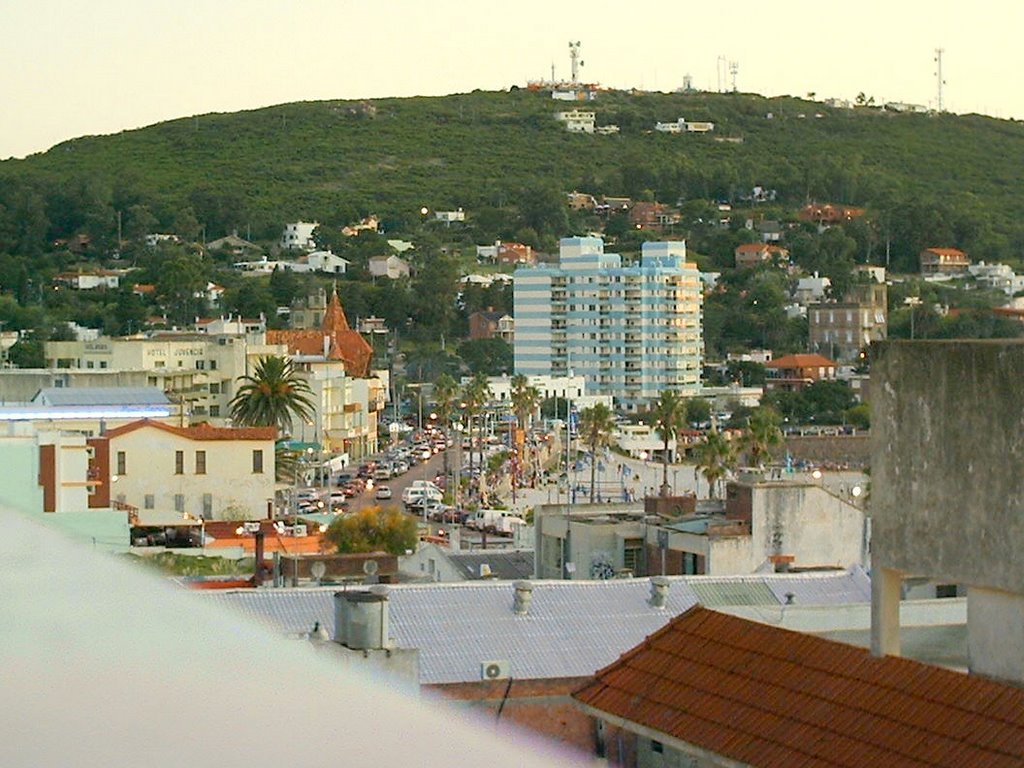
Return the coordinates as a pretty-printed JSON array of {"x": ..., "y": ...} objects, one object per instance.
[
  {"x": 766, "y": 696},
  {"x": 64, "y": 396},
  {"x": 513, "y": 564},
  {"x": 573, "y": 627}
]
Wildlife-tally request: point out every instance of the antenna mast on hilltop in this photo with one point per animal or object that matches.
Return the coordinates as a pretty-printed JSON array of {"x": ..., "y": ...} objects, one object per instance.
[
  {"x": 734, "y": 69},
  {"x": 939, "y": 82},
  {"x": 720, "y": 67},
  {"x": 574, "y": 60}
]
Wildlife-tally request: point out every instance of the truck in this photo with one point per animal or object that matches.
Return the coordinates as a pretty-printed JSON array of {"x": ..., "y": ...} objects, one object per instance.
[{"x": 419, "y": 491}]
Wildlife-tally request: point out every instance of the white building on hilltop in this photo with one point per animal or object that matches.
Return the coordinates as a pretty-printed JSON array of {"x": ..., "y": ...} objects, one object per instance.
[
  {"x": 299, "y": 235},
  {"x": 631, "y": 331}
]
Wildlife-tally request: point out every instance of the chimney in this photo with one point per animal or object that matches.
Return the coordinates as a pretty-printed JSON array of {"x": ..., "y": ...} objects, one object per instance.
[
  {"x": 361, "y": 619},
  {"x": 523, "y": 597},
  {"x": 659, "y": 592}
]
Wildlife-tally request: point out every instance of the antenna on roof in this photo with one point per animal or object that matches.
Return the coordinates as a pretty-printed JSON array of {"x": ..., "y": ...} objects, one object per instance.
[{"x": 575, "y": 63}]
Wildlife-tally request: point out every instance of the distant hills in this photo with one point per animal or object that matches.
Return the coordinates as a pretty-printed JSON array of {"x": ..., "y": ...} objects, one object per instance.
[{"x": 495, "y": 154}]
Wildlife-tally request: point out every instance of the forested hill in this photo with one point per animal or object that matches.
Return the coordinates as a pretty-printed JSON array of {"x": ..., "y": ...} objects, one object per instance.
[{"x": 956, "y": 180}]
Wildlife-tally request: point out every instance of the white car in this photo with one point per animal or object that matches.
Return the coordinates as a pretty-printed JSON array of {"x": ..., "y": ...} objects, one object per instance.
[{"x": 383, "y": 492}]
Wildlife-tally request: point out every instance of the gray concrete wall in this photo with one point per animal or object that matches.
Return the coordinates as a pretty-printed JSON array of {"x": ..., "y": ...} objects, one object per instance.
[{"x": 947, "y": 493}]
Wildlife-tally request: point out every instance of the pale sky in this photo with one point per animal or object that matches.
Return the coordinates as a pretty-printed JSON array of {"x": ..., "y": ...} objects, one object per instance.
[{"x": 70, "y": 68}]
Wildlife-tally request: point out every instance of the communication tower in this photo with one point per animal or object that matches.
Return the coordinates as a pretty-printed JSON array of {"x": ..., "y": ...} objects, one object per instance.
[
  {"x": 574, "y": 60},
  {"x": 734, "y": 69},
  {"x": 939, "y": 82}
]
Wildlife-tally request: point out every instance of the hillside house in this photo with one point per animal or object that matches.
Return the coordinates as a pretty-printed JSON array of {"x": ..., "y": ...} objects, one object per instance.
[
  {"x": 791, "y": 373},
  {"x": 391, "y": 267},
  {"x": 652, "y": 216},
  {"x": 299, "y": 236},
  {"x": 577, "y": 120},
  {"x": 491, "y": 325},
  {"x": 749, "y": 255},
  {"x": 944, "y": 261}
]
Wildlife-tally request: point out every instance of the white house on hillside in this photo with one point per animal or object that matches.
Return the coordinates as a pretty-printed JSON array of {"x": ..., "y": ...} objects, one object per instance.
[
  {"x": 327, "y": 261},
  {"x": 299, "y": 235}
]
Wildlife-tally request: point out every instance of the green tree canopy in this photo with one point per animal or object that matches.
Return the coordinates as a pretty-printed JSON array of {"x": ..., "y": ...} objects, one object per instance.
[
  {"x": 273, "y": 396},
  {"x": 374, "y": 529}
]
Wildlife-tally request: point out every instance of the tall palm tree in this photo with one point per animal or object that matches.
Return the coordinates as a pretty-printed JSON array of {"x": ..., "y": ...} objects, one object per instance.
[
  {"x": 595, "y": 428},
  {"x": 715, "y": 457},
  {"x": 475, "y": 395},
  {"x": 669, "y": 418},
  {"x": 446, "y": 397},
  {"x": 525, "y": 400},
  {"x": 761, "y": 435},
  {"x": 273, "y": 396}
]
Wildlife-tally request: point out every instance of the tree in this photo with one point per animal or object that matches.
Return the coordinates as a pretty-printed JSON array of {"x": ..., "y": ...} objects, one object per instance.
[
  {"x": 595, "y": 429},
  {"x": 492, "y": 357},
  {"x": 761, "y": 435},
  {"x": 272, "y": 396},
  {"x": 475, "y": 395},
  {"x": 525, "y": 400},
  {"x": 374, "y": 529},
  {"x": 446, "y": 397},
  {"x": 698, "y": 410},
  {"x": 715, "y": 457},
  {"x": 668, "y": 416}
]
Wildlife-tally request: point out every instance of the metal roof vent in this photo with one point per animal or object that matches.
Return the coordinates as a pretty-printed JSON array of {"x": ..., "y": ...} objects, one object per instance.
[
  {"x": 523, "y": 597},
  {"x": 659, "y": 592}
]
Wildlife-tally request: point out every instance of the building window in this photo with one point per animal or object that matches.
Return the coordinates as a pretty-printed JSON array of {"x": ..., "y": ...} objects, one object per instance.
[
  {"x": 632, "y": 552},
  {"x": 657, "y": 746},
  {"x": 214, "y": 387},
  {"x": 200, "y": 462},
  {"x": 179, "y": 502},
  {"x": 179, "y": 462},
  {"x": 122, "y": 464},
  {"x": 207, "y": 505},
  {"x": 149, "y": 501},
  {"x": 215, "y": 411},
  {"x": 200, "y": 365},
  {"x": 213, "y": 365},
  {"x": 257, "y": 462}
]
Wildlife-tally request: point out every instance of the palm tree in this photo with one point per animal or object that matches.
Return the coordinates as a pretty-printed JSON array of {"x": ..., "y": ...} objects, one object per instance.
[
  {"x": 272, "y": 396},
  {"x": 475, "y": 395},
  {"x": 446, "y": 397},
  {"x": 715, "y": 457},
  {"x": 525, "y": 400},
  {"x": 669, "y": 417},
  {"x": 596, "y": 427},
  {"x": 762, "y": 434}
]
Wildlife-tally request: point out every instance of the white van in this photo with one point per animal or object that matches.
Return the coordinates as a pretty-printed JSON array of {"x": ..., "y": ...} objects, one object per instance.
[
  {"x": 494, "y": 520},
  {"x": 413, "y": 495}
]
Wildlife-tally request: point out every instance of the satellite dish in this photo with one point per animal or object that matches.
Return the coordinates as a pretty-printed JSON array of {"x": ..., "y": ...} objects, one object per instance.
[
  {"x": 318, "y": 569},
  {"x": 370, "y": 567}
]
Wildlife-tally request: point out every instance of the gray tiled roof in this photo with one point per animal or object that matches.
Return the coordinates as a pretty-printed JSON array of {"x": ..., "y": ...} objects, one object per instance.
[
  {"x": 573, "y": 628},
  {"x": 101, "y": 396},
  {"x": 509, "y": 564}
]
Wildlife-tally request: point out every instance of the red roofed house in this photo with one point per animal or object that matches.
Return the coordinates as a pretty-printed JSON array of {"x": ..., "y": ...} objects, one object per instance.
[
  {"x": 214, "y": 473},
  {"x": 750, "y": 255},
  {"x": 491, "y": 325},
  {"x": 710, "y": 689},
  {"x": 791, "y": 373},
  {"x": 943, "y": 261},
  {"x": 334, "y": 340},
  {"x": 515, "y": 253},
  {"x": 654, "y": 216},
  {"x": 829, "y": 214}
]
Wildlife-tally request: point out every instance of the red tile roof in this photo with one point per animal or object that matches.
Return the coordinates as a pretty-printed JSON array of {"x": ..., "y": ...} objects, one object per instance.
[
  {"x": 343, "y": 343},
  {"x": 800, "y": 361},
  {"x": 946, "y": 252},
  {"x": 199, "y": 431},
  {"x": 766, "y": 696}
]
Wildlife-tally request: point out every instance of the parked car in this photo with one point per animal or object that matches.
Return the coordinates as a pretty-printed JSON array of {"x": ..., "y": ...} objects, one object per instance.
[{"x": 383, "y": 492}]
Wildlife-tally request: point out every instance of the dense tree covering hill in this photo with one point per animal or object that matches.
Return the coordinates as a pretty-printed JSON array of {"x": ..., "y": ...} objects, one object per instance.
[
  {"x": 502, "y": 156},
  {"x": 925, "y": 180}
]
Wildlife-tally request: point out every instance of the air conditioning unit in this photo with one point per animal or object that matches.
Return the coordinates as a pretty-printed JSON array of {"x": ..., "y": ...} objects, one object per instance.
[
  {"x": 495, "y": 670},
  {"x": 299, "y": 530},
  {"x": 251, "y": 526}
]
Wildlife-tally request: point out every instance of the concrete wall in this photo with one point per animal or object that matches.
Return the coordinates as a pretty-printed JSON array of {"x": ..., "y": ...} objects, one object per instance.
[
  {"x": 995, "y": 633},
  {"x": 947, "y": 496}
]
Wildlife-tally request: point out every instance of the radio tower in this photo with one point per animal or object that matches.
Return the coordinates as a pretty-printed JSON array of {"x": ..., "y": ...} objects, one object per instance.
[
  {"x": 939, "y": 82},
  {"x": 734, "y": 69},
  {"x": 574, "y": 60}
]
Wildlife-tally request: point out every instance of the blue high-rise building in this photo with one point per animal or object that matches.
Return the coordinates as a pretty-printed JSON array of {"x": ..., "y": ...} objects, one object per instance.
[{"x": 631, "y": 331}]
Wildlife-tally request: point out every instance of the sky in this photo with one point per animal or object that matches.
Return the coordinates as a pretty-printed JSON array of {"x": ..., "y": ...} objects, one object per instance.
[{"x": 70, "y": 68}]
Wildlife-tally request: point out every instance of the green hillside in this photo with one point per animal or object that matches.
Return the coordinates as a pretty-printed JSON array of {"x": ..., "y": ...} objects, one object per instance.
[{"x": 957, "y": 179}]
